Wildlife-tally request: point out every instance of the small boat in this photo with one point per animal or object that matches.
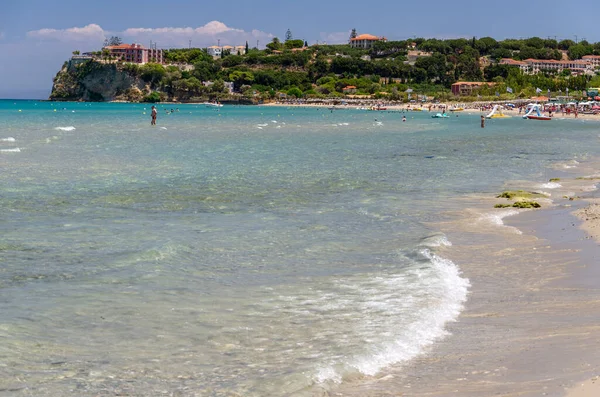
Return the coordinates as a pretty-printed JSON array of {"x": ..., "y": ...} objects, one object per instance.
[
  {"x": 213, "y": 104},
  {"x": 496, "y": 113},
  {"x": 532, "y": 117},
  {"x": 377, "y": 108},
  {"x": 456, "y": 109},
  {"x": 440, "y": 116},
  {"x": 532, "y": 112}
]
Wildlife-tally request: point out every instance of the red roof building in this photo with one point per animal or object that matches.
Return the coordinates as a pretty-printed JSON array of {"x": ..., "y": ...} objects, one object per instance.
[
  {"x": 135, "y": 53},
  {"x": 365, "y": 41},
  {"x": 467, "y": 87}
]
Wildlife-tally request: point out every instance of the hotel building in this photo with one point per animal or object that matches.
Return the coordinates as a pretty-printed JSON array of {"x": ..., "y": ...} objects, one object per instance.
[
  {"x": 534, "y": 66},
  {"x": 135, "y": 53}
]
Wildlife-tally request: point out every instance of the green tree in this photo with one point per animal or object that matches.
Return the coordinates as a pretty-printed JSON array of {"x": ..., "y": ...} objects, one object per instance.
[
  {"x": 217, "y": 87},
  {"x": 435, "y": 66},
  {"x": 353, "y": 34},
  {"x": 274, "y": 45},
  {"x": 485, "y": 45},
  {"x": 153, "y": 97},
  {"x": 240, "y": 78},
  {"x": 579, "y": 50},
  {"x": 76, "y": 52},
  {"x": 497, "y": 70},
  {"x": 112, "y": 41},
  {"x": 535, "y": 42},
  {"x": 152, "y": 72},
  {"x": 231, "y": 61},
  {"x": 565, "y": 44},
  {"x": 499, "y": 53},
  {"x": 295, "y": 92},
  {"x": 289, "y": 44}
]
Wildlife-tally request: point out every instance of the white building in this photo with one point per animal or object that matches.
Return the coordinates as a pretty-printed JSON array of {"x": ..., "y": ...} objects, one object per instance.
[
  {"x": 216, "y": 51},
  {"x": 534, "y": 66},
  {"x": 365, "y": 41},
  {"x": 593, "y": 59}
]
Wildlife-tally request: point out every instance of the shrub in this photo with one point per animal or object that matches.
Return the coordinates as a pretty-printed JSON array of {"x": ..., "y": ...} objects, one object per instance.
[{"x": 152, "y": 97}]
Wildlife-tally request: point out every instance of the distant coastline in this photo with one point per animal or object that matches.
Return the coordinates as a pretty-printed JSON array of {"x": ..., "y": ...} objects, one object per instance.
[{"x": 368, "y": 67}]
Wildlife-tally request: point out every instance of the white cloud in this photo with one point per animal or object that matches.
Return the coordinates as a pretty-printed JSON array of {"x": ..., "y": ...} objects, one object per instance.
[
  {"x": 335, "y": 37},
  {"x": 86, "y": 33},
  {"x": 166, "y": 37},
  {"x": 202, "y": 36}
]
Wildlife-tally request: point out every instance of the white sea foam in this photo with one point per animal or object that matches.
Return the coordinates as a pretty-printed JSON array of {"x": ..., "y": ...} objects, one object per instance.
[
  {"x": 9, "y": 139},
  {"x": 69, "y": 128},
  {"x": 14, "y": 150},
  {"x": 446, "y": 293},
  {"x": 569, "y": 164},
  {"x": 550, "y": 185},
  {"x": 497, "y": 219}
]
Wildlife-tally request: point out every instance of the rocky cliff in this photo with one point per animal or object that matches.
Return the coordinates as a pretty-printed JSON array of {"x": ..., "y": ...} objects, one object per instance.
[{"x": 97, "y": 81}]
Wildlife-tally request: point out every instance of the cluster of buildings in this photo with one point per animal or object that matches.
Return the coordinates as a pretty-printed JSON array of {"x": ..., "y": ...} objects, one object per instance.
[
  {"x": 216, "y": 51},
  {"x": 586, "y": 65},
  {"x": 137, "y": 53},
  {"x": 132, "y": 53}
]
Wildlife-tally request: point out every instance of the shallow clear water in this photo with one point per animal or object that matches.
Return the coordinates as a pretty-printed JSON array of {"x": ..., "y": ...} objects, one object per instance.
[{"x": 251, "y": 250}]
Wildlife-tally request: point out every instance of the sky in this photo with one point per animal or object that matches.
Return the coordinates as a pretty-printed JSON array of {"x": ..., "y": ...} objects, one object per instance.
[{"x": 37, "y": 36}]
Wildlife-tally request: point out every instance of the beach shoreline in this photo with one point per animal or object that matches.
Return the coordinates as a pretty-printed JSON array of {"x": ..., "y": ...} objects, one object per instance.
[
  {"x": 528, "y": 327},
  {"x": 466, "y": 108}
]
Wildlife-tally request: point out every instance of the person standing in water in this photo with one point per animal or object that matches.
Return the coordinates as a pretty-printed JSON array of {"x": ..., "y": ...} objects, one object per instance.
[
  {"x": 154, "y": 114},
  {"x": 482, "y": 121}
]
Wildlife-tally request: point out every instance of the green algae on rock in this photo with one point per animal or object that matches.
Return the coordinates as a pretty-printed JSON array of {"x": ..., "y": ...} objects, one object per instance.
[{"x": 519, "y": 195}]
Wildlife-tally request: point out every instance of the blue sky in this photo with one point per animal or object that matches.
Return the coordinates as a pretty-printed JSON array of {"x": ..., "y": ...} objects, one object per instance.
[{"x": 37, "y": 36}]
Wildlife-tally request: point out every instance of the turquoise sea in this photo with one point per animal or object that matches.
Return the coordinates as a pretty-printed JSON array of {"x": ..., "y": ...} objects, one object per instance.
[{"x": 239, "y": 251}]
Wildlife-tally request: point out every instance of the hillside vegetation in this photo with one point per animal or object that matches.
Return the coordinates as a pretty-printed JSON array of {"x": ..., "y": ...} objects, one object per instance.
[{"x": 323, "y": 71}]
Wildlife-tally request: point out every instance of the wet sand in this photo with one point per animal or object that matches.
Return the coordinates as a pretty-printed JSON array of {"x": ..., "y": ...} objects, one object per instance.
[{"x": 531, "y": 324}]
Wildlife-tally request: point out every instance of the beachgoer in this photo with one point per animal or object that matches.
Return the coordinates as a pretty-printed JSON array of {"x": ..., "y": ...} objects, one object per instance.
[
  {"x": 154, "y": 114},
  {"x": 482, "y": 121},
  {"x": 403, "y": 119}
]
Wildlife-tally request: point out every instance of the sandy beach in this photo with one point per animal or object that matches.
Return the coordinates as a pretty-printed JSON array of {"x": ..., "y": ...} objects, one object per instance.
[
  {"x": 468, "y": 108},
  {"x": 530, "y": 326}
]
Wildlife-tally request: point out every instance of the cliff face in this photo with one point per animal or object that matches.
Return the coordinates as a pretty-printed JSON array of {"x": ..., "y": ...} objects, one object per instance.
[{"x": 95, "y": 81}]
